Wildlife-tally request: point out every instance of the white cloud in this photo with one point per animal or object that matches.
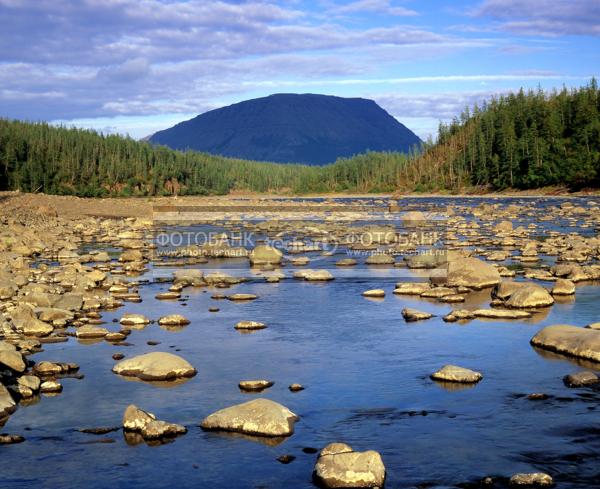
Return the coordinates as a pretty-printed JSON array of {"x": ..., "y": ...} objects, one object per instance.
[
  {"x": 543, "y": 17},
  {"x": 377, "y": 6}
]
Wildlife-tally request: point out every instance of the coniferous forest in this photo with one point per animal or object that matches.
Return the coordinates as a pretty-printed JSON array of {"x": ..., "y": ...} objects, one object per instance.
[{"x": 522, "y": 140}]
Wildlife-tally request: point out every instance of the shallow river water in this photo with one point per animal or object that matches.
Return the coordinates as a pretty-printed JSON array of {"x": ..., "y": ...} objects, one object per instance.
[{"x": 366, "y": 374}]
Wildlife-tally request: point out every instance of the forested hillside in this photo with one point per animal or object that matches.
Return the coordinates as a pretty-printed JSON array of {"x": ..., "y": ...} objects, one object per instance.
[
  {"x": 524, "y": 140},
  {"x": 39, "y": 157}
]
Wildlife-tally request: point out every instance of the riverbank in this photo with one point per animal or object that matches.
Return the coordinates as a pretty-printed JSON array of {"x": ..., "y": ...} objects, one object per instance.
[{"x": 13, "y": 203}]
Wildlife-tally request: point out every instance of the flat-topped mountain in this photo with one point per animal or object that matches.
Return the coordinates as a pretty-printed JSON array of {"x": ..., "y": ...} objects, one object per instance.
[{"x": 291, "y": 128}]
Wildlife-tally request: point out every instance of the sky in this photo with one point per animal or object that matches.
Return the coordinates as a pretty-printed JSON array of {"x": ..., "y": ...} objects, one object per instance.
[{"x": 138, "y": 66}]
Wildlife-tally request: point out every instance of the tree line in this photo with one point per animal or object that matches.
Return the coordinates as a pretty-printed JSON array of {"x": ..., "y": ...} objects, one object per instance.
[
  {"x": 526, "y": 140},
  {"x": 38, "y": 157},
  {"x": 521, "y": 140}
]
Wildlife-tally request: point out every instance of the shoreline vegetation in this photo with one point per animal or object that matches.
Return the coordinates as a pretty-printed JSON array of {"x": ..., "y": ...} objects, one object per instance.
[{"x": 548, "y": 143}]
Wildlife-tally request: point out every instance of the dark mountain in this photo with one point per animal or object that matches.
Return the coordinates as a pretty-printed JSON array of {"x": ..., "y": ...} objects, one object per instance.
[{"x": 291, "y": 128}]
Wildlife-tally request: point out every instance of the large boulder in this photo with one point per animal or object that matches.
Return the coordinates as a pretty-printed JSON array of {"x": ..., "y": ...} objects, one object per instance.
[
  {"x": 569, "y": 340},
  {"x": 260, "y": 417},
  {"x": 339, "y": 466},
  {"x": 506, "y": 288},
  {"x": 265, "y": 255},
  {"x": 155, "y": 366},
  {"x": 473, "y": 273},
  {"x": 24, "y": 319},
  {"x": 531, "y": 295}
]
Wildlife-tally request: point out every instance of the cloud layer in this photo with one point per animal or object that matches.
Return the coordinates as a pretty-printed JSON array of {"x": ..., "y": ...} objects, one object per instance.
[
  {"x": 67, "y": 59},
  {"x": 544, "y": 17}
]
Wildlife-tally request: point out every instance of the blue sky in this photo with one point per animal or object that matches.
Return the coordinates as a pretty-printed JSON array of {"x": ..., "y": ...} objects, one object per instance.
[{"x": 137, "y": 66}]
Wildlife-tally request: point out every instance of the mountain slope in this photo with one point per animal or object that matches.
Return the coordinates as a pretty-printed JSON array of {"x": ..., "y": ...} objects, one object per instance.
[{"x": 291, "y": 128}]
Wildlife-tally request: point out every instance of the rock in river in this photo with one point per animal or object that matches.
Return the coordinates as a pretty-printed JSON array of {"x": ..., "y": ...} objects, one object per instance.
[
  {"x": 134, "y": 320},
  {"x": 250, "y": 325},
  {"x": 374, "y": 293},
  {"x": 339, "y": 466},
  {"x": 265, "y": 255},
  {"x": 10, "y": 357},
  {"x": 411, "y": 315},
  {"x": 146, "y": 424},
  {"x": 7, "y": 403},
  {"x": 473, "y": 273},
  {"x": 452, "y": 373},
  {"x": 90, "y": 331},
  {"x": 314, "y": 275},
  {"x": 563, "y": 286},
  {"x": 155, "y": 366},
  {"x": 260, "y": 417},
  {"x": 581, "y": 379},
  {"x": 380, "y": 259},
  {"x": 569, "y": 340},
  {"x": 254, "y": 385},
  {"x": 536, "y": 479},
  {"x": 531, "y": 295},
  {"x": 174, "y": 320}
]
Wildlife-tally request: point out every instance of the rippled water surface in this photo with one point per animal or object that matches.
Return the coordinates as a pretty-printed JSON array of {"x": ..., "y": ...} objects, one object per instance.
[{"x": 366, "y": 376}]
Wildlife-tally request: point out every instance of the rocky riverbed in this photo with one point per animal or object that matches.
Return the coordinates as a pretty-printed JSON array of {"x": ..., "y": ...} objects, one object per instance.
[{"x": 255, "y": 342}]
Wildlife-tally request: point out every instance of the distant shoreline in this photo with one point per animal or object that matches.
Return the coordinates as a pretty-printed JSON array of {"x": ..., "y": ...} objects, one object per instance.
[{"x": 69, "y": 207}]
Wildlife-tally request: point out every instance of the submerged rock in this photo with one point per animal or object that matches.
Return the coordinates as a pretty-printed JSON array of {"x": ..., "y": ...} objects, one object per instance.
[
  {"x": 374, "y": 293},
  {"x": 339, "y": 466},
  {"x": 452, "y": 373},
  {"x": 260, "y": 417},
  {"x": 581, "y": 379},
  {"x": 569, "y": 340},
  {"x": 155, "y": 366},
  {"x": 10, "y": 439}
]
